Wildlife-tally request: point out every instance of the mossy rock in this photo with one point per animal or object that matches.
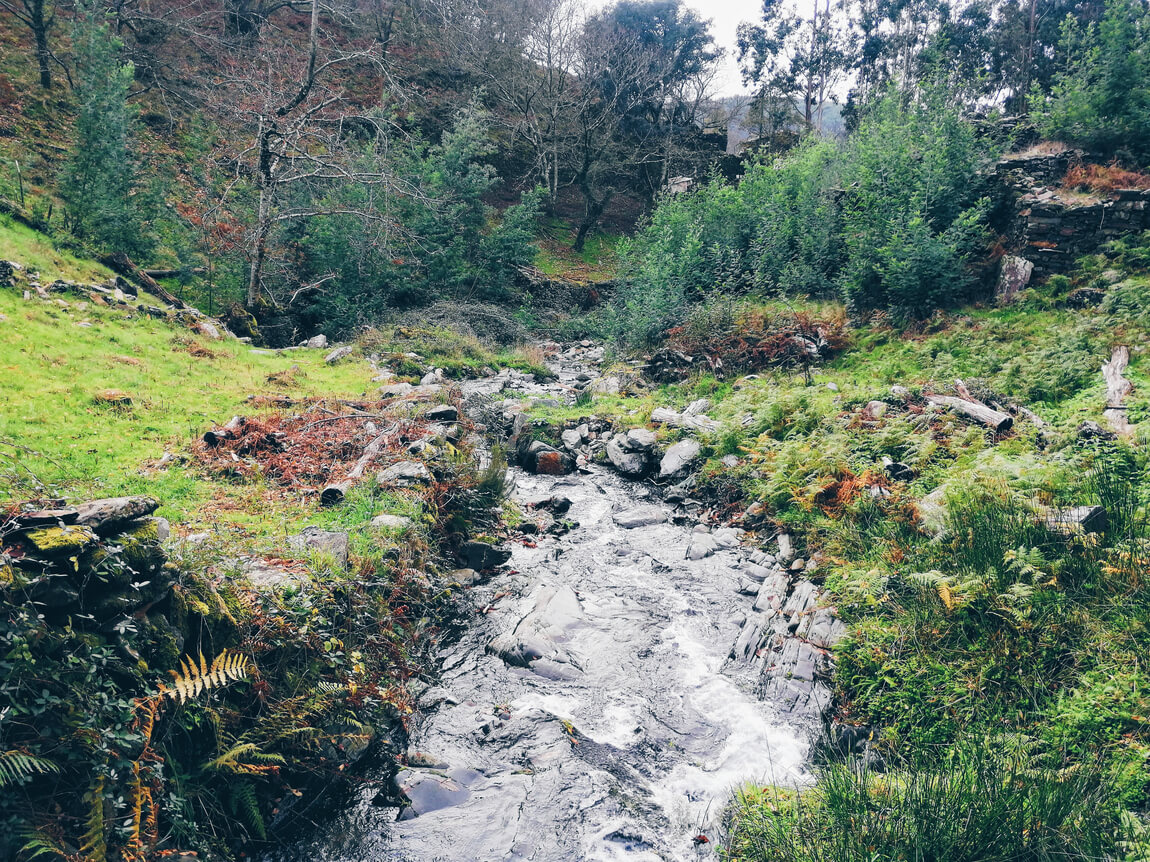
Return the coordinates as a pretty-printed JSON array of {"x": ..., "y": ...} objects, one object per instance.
[
  {"x": 195, "y": 595},
  {"x": 141, "y": 544},
  {"x": 59, "y": 542}
]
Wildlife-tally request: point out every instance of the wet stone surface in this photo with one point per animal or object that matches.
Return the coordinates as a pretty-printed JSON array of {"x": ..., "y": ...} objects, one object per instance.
[{"x": 624, "y": 678}]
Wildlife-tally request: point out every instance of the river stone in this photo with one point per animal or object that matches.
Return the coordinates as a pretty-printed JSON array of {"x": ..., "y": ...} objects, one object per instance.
[
  {"x": 390, "y": 522},
  {"x": 428, "y": 792},
  {"x": 404, "y": 474},
  {"x": 679, "y": 458},
  {"x": 641, "y": 438},
  {"x": 572, "y": 439},
  {"x": 702, "y": 546},
  {"x": 626, "y": 460},
  {"x": 442, "y": 413},
  {"x": 334, "y": 542},
  {"x": 480, "y": 555},
  {"x": 643, "y": 516}
]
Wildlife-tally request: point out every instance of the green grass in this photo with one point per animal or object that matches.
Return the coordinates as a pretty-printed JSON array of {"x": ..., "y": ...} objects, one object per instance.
[
  {"x": 35, "y": 251},
  {"x": 596, "y": 262},
  {"x": 58, "y": 441}
]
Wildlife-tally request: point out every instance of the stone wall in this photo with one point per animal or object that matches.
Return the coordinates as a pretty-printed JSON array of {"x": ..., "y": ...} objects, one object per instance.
[{"x": 1051, "y": 227}]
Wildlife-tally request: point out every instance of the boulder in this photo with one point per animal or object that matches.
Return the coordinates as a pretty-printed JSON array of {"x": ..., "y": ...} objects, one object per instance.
[
  {"x": 404, "y": 474},
  {"x": 538, "y": 457},
  {"x": 338, "y": 355},
  {"x": 395, "y": 390},
  {"x": 1013, "y": 276},
  {"x": 480, "y": 555},
  {"x": 679, "y": 458},
  {"x": 572, "y": 439},
  {"x": 209, "y": 330},
  {"x": 317, "y": 342},
  {"x": 629, "y": 455},
  {"x": 333, "y": 542},
  {"x": 108, "y": 515},
  {"x": 643, "y": 516},
  {"x": 442, "y": 413}
]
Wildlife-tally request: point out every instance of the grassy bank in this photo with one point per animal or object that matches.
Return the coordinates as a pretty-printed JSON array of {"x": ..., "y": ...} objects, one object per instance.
[
  {"x": 995, "y": 661},
  {"x": 204, "y": 693}
]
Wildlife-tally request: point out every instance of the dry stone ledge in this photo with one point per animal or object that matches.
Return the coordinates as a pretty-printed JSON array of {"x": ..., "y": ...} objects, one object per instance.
[{"x": 110, "y": 514}]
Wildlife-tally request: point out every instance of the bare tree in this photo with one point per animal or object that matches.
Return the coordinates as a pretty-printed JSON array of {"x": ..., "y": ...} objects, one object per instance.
[{"x": 39, "y": 16}]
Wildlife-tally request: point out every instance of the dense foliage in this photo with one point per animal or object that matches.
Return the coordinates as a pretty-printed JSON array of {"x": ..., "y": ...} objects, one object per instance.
[{"x": 886, "y": 220}]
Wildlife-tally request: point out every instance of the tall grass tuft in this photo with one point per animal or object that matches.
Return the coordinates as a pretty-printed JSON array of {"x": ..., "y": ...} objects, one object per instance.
[{"x": 987, "y": 802}]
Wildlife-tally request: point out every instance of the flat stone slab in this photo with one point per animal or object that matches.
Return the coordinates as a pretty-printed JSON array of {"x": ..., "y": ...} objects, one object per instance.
[{"x": 644, "y": 516}]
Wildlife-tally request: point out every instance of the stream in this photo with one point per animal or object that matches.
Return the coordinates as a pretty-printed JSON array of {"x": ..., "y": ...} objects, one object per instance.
[{"x": 608, "y": 697}]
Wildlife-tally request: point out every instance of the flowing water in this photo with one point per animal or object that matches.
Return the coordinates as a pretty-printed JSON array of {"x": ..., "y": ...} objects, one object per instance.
[{"x": 591, "y": 711}]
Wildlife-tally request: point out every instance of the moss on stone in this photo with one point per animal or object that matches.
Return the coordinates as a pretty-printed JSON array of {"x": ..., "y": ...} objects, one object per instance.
[
  {"x": 141, "y": 544},
  {"x": 56, "y": 542}
]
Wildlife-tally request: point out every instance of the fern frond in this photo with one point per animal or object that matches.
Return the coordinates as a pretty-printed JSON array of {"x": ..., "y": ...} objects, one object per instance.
[
  {"x": 37, "y": 846},
  {"x": 246, "y": 758},
  {"x": 193, "y": 679},
  {"x": 246, "y": 806},
  {"x": 15, "y": 766},
  {"x": 92, "y": 843}
]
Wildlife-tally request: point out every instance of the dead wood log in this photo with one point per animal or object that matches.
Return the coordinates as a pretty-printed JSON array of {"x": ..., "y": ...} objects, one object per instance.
[
  {"x": 217, "y": 435},
  {"x": 109, "y": 515},
  {"x": 1035, "y": 420},
  {"x": 1117, "y": 388},
  {"x": 333, "y": 494},
  {"x": 975, "y": 410},
  {"x": 120, "y": 263}
]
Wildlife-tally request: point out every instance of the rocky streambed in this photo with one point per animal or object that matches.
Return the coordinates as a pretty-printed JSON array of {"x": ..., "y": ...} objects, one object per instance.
[{"x": 621, "y": 677}]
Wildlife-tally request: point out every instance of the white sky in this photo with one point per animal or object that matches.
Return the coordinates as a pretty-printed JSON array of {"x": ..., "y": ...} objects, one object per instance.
[{"x": 725, "y": 17}]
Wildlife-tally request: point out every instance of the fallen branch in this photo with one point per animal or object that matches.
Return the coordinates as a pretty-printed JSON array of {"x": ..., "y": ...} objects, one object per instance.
[
  {"x": 1117, "y": 388},
  {"x": 333, "y": 494},
  {"x": 975, "y": 410},
  {"x": 122, "y": 264},
  {"x": 217, "y": 435}
]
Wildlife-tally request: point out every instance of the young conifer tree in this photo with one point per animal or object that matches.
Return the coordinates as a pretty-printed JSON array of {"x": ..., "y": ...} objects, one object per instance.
[{"x": 99, "y": 178}]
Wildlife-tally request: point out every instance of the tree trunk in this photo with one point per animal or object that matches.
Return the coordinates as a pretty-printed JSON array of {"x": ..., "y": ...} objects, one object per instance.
[
  {"x": 592, "y": 212},
  {"x": 333, "y": 494},
  {"x": 122, "y": 264},
  {"x": 263, "y": 228},
  {"x": 43, "y": 55}
]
